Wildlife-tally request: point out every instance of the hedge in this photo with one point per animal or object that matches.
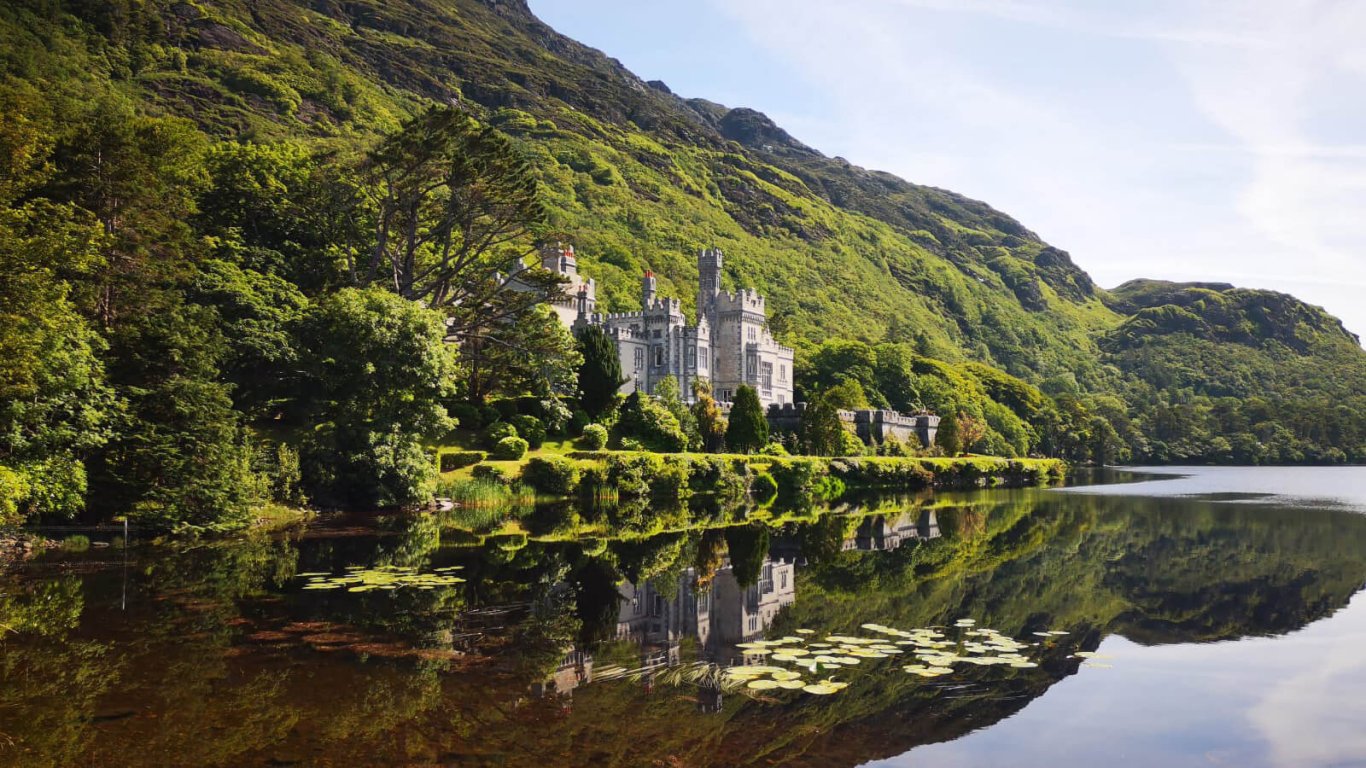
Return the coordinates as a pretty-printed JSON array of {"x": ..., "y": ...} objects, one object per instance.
[{"x": 461, "y": 459}]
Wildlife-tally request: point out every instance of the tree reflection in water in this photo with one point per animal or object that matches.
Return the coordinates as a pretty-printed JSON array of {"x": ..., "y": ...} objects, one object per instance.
[{"x": 220, "y": 659}]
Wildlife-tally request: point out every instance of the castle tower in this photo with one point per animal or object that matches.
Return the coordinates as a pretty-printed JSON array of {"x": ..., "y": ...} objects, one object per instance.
[
  {"x": 708, "y": 280},
  {"x": 559, "y": 258},
  {"x": 648, "y": 290}
]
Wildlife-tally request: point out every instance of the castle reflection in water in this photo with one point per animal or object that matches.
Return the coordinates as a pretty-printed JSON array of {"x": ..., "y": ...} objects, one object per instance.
[{"x": 659, "y": 623}]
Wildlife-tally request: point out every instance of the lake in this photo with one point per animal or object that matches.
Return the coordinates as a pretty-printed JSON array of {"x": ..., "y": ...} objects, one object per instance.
[{"x": 1174, "y": 616}]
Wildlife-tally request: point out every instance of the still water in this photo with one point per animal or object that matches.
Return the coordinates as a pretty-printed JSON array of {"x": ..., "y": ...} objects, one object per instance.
[{"x": 1210, "y": 617}]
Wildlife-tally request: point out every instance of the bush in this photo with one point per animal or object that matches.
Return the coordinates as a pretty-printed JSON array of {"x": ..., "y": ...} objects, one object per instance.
[
  {"x": 651, "y": 425},
  {"x": 510, "y": 449},
  {"x": 490, "y": 472},
  {"x": 551, "y": 475},
  {"x": 460, "y": 459},
  {"x": 594, "y": 437},
  {"x": 469, "y": 416},
  {"x": 774, "y": 449},
  {"x": 497, "y": 432},
  {"x": 531, "y": 429}
]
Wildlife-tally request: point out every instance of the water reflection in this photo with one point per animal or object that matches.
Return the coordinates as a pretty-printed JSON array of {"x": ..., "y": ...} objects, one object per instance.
[{"x": 222, "y": 659}]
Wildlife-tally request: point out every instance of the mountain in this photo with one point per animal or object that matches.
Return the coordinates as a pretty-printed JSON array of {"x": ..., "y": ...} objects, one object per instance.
[{"x": 639, "y": 177}]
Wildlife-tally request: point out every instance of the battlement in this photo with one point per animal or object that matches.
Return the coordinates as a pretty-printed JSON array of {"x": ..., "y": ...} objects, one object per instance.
[{"x": 745, "y": 299}]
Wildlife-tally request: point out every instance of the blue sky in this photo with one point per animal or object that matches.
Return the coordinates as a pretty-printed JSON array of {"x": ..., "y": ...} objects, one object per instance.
[{"x": 1180, "y": 139}]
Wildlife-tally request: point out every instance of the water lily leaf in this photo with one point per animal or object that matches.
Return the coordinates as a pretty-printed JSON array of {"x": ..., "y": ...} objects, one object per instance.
[{"x": 762, "y": 685}]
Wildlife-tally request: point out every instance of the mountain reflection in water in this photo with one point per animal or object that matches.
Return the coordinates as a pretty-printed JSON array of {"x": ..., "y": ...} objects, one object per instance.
[{"x": 213, "y": 654}]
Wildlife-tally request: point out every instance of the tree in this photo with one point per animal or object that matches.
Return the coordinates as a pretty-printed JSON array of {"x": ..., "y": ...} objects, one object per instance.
[
  {"x": 971, "y": 431},
  {"x": 454, "y": 206},
  {"x": 711, "y": 424},
  {"x": 376, "y": 371},
  {"x": 846, "y": 394},
  {"x": 649, "y": 423},
  {"x": 668, "y": 395},
  {"x": 821, "y": 428},
  {"x": 748, "y": 428},
  {"x": 179, "y": 455},
  {"x": 532, "y": 355},
  {"x": 600, "y": 372},
  {"x": 946, "y": 437}
]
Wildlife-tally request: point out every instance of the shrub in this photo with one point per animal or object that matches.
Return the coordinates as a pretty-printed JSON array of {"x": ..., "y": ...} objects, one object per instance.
[
  {"x": 460, "y": 459},
  {"x": 651, "y": 424},
  {"x": 490, "y": 472},
  {"x": 630, "y": 474},
  {"x": 497, "y": 432},
  {"x": 551, "y": 475},
  {"x": 531, "y": 429},
  {"x": 774, "y": 449},
  {"x": 594, "y": 437},
  {"x": 468, "y": 415},
  {"x": 488, "y": 415},
  {"x": 510, "y": 449}
]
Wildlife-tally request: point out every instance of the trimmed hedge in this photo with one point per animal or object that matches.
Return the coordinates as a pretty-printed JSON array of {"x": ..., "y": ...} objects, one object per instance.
[
  {"x": 594, "y": 437},
  {"x": 461, "y": 459}
]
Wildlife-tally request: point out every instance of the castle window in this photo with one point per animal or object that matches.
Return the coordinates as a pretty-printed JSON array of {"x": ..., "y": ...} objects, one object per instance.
[
  {"x": 701, "y": 358},
  {"x": 658, "y": 333},
  {"x": 659, "y": 355},
  {"x": 766, "y": 375},
  {"x": 640, "y": 358},
  {"x": 782, "y": 373},
  {"x": 692, "y": 355},
  {"x": 753, "y": 334}
]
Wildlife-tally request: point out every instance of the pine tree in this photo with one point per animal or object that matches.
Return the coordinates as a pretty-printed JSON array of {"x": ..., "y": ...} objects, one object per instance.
[
  {"x": 947, "y": 436},
  {"x": 600, "y": 373},
  {"x": 748, "y": 429}
]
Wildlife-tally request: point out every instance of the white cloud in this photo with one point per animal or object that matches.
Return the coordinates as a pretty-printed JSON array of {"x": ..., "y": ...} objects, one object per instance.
[{"x": 1190, "y": 139}]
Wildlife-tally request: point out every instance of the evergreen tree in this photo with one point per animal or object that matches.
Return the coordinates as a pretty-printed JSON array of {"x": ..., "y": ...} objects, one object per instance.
[
  {"x": 600, "y": 373},
  {"x": 748, "y": 428},
  {"x": 821, "y": 429},
  {"x": 947, "y": 435}
]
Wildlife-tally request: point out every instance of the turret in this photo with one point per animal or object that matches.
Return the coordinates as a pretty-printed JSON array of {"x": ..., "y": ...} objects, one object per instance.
[
  {"x": 648, "y": 290},
  {"x": 559, "y": 258},
  {"x": 709, "y": 263}
]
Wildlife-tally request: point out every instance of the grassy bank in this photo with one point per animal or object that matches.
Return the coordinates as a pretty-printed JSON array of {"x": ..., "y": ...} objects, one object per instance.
[{"x": 558, "y": 471}]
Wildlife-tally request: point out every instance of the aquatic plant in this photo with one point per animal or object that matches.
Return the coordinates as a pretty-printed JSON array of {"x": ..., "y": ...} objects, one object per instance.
[{"x": 358, "y": 578}]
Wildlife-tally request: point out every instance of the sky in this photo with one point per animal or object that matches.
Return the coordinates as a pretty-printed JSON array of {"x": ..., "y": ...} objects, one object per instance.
[{"x": 1220, "y": 140}]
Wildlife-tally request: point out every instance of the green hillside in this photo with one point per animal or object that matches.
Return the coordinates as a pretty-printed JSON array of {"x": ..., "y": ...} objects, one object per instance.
[{"x": 187, "y": 186}]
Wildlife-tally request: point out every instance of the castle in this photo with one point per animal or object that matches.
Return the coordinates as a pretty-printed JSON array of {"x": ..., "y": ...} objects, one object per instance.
[{"x": 730, "y": 344}]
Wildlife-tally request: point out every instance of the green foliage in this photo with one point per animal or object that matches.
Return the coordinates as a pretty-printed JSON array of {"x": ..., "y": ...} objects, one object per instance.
[
  {"x": 179, "y": 456},
  {"x": 669, "y": 396},
  {"x": 648, "y": 423},
  {"x": 600, "y": 373},
  {"x": 747, "y": 430},
  {"x": 530, "y": 429},
  {"x": 509, "y": 449},
  {"x": 947, "y": 438},
  {"x": 376, "y": 374},
  {"x": 453, "y": 460},
  {"x": 551, "y": 475},
  {"x": 706, "y": 412},
  {"x": 594, "y": 437}
]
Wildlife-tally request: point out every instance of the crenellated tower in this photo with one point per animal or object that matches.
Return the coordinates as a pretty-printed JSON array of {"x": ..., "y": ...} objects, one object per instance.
[{"x": 709, "y": 263}]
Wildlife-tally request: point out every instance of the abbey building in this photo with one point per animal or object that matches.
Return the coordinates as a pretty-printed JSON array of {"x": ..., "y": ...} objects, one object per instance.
[{"x": 729, "y": 345}]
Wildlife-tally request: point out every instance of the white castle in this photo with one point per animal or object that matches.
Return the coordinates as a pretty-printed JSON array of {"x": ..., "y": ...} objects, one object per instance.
[{"x": 729, "y": 346}]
